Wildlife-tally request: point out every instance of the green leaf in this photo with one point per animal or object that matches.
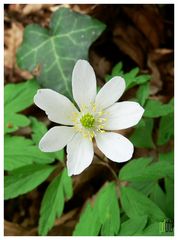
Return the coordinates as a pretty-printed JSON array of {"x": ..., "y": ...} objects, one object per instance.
[
  {"x": 142, "y": 170},
  {"x": 169, "y": 157},
  {"x": 143, "y": 186},
  {"x": 143, "y": 93},
  {"x": 155, "y": 229},
  {"x": 169, "y": 188},
  {"x": 136, "y": 203},
  {"x": 154, "y": 108},
  {"x": 133, "y": 226},
  {"x": 19, "y": 151},
  {"x": 142, "y": 135},
  {"x": 157, "y": 195},
  {"x": 103, "y": 217},
  {"x": 166, "y": 129},
  {"x": 132, "y": 78},
  {"x": 38, "y": 131},
  {"x": 25, "y": 179},
  {"x": 17, "y": 97},
  {"x": 55, "y": 52},
  {"x": 88, "y": 224},
  {"x": 107, "y": 208},
  {"x": 53, "y": 201}
]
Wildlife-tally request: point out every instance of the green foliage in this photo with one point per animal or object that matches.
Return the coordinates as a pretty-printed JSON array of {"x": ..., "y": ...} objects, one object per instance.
[
  {"x": 143, "y": 93},
  {"x": 169, "y": 157},
  {"x": 17, "y": 97},
  {"x": 25, "y": 179},
  {"x": 142, "y": 135},
  {"x": 132, "y": 78},
  {"x": 169, "y": 188},
  {"x": 166, "y": 129},
  {"x": 53, "y": 201},
  {"x": 157, "y": 195},
  {"x": 19, "y": 151},
  {"x": 88, "y": 224},
  {"x": 142, "y": 169},
  {"x": 55, "y": 52},
  {"x": 133, "y": 226},
  {"x": 154, "y": 108},
  {"x": 154, "y": 229},
  {"x": 103, "y": 217},
  {"x": 136, "y": 203}
]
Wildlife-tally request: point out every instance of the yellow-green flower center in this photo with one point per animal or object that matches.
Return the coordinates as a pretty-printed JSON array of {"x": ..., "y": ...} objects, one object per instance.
[{"x": 87, "y": 120}]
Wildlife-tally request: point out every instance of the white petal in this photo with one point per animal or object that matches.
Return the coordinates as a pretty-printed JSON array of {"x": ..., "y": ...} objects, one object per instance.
[
  {"x": 123, "y": 115},
  {"x": 110, "y": 92},
  {"x": 115, "y": 146},
  {"x": 79, "y": 154},
  {"x": 56, "y": 138},
  {"x": 58, "y": 108},
  {"x": 83, "y": 83}
]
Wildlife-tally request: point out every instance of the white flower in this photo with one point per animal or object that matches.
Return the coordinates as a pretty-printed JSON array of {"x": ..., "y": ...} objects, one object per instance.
[{"x": 98, "y": 113}]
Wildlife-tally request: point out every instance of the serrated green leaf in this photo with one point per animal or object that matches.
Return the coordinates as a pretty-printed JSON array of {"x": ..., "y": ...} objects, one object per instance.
[
  {"x": 53, "y": 201},
  {"x": 155, "y": 229},
  {"x": 169, "y": 188},
  {"x": 168, "y": 157},
  {"x": 154, "y": 108},
  {"x": 17, "y": 97},
  {"x": 88, "y": 224},
  {"x": 38, "y": 131},
  {"x": 166, "y": 129},
  {"x": 143, "y": 186},
  {"x": 133, "y": 226},
  {"x": 19, "y": 151},
  {"x": 157, "y": 195},
  {"x": 136, "y": 203},
  {"x": 141, "y": 170},
  {"x": 107, "y": 208},
  {"x": 131, "y": 78},
  {"x": 143, "y": 93},
  {"x": 25, "y": 179},
  {"x": 105, "y": 214},
  {"x": 142, "y": 135},
  {"x": 12, "y": 122},
  {"x": 55, "y": 51}
]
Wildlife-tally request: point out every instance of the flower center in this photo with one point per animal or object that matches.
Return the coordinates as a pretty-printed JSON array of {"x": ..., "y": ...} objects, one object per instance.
[{"x": 87, "y": 120}]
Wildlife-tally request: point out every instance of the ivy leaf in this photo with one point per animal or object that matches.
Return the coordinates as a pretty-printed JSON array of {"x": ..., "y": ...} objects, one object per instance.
[
  {"x": 38, "y": 131},
  {"x": 142, "y": 170},
  {"x": 25, "y": 179},
  {"x": 142, "y": 135},
  {"x": 131, "y": 78},
  {"x": 133, "y": 226},
  {"x": 103, "y": 217},
  {"x": 143, "y": 93},
  {"x": 19, "y": 151},
  {"x": 17, "y": 97},
  {"x": 154, "y": 108},
  {"x": 53, "y": 201},
  {"x": 166, "y": 129},
  {"x": 55, "y": 52},
  {"x": 136, "y": 203}
]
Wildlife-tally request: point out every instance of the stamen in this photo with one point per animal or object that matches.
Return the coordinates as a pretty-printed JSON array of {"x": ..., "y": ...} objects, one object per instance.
[{"x": 87, "y": 120}]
